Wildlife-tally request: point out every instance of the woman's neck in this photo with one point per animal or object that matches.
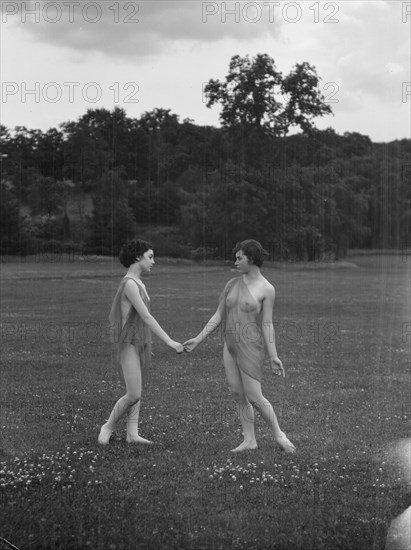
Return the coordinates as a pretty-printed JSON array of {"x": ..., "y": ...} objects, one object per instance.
[
  {"x": 134, "y": 271},
  {"x": 253, "y": 274}
]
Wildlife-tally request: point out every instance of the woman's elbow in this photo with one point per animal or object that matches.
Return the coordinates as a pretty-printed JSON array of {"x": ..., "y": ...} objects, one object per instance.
[{"x": 147, "y": 318}]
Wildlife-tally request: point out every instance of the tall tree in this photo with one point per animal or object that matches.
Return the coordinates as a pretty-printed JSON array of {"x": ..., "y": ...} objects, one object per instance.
[
  {"x": 112, "y": 221},
  {"x": 11, "y": 221},
  {"x": 255, "y": 93},
  {"x": 248, "y": 93},
  {"x": 44, "y": 194},
  {"x": 304, "y": 101}
]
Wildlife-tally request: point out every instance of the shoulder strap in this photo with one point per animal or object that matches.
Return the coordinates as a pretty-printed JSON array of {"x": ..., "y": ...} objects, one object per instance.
[{"x": 139, "y": 286}]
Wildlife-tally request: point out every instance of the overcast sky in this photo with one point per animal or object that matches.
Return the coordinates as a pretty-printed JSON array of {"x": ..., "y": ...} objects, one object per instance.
[{"x": 75, "y": 55}]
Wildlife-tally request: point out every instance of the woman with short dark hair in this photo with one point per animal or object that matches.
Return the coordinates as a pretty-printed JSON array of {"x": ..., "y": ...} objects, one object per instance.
[
  {"x": 131, "y": 323},
  {"x": 245, "y": 313}
]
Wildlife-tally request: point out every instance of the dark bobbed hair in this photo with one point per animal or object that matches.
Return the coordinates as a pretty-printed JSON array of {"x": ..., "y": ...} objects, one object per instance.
[
  {"x": 253, "y": 250},
  {"x": 131, "y": 250}
]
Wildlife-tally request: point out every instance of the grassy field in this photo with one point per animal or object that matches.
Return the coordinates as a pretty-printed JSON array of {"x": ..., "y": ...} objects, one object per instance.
[{"x": 343, "y": 332}]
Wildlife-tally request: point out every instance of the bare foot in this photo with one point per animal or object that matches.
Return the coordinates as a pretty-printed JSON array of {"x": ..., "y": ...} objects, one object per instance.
[
  {"x": 105, "y": 434},
  {"x": 138, "y": 439},
  {"x": 245, "y": 446},
  {"x": 285, "y": 443}
]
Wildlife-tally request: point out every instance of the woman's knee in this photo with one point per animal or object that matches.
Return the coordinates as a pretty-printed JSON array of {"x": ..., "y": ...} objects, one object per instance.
[
  {"x": 237, "y": 394},
  {"x": 133, "y": 398},
  {"x": 256, "y": 399}
]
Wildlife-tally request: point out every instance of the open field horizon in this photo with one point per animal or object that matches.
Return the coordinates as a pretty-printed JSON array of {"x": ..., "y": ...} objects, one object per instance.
[{"x": 344, "y": 337}]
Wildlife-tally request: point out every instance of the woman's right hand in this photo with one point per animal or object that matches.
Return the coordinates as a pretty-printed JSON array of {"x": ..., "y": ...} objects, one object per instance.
[
  {"x": 191, "y": 344},
  {"x": 277, "y": 366},
  {"x": 179, "y": 348}
]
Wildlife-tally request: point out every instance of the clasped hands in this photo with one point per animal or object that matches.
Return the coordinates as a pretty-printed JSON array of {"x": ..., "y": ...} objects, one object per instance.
[{"x": 188, "y": 345}]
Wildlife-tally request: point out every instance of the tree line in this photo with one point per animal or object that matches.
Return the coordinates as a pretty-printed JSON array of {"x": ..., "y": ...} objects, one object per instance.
[{"x": 195, "y": 190}]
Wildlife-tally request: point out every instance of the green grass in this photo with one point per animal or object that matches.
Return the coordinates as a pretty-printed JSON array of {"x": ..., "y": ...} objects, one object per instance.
[{"x": 342, "y": 336}]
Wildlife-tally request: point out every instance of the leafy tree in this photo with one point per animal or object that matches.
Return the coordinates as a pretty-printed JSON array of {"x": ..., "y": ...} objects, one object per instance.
[
  {"x": 44, "y": 195},
  {"x": 304, "y": 101},
  {"x": 21, "y": 149},
  {"x": 49, "y": 154},
  {"x": 255, "y": 93},
  {"x": 86, "y": 154},
  {"x": 234, "y": 204},
  {"x": 166, "y": 151},
  {"x": 158, "y": 119},
  {"x": 112, "y": 221},
  {"x": 248, "y": 94},
  {"x": 10, "y": 219}
]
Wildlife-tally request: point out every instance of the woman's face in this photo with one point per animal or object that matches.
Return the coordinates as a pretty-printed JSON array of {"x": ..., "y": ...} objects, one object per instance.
[
  {"x": 242, "y": 263},
  {"x": 146, "y": 261}
]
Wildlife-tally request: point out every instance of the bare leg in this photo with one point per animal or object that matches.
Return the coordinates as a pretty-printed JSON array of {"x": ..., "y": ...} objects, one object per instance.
[
  {"x": 129, "y": 404},
  {"x": 245, "y": 409},
  {"x": 253, "y": 391},
  {"x": 132, "y": 425}
]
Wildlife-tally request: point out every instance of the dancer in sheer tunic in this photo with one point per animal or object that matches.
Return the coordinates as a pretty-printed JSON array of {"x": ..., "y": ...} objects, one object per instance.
[
  {"x": 245, "y": 315},
  {"x": 131, "y": 324}
]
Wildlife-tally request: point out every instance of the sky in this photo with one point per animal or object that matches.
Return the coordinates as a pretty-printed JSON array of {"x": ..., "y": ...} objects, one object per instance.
[{"x": 61, "y": 58}]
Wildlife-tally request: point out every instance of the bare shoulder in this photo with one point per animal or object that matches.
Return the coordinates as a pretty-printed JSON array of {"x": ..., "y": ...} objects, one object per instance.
[
  {"x": 131, "y": 287},
  {"x": 269, "y": 290},
  {"x": 129, "y": 284}
]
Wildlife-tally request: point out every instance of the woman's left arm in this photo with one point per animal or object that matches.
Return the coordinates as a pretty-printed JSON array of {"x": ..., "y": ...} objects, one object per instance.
[{"x": 269, "y": 332}]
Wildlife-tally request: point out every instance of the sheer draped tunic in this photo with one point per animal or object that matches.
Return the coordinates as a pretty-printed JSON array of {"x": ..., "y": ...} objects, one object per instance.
[
  {"x": 131, "y": 329},
  {"x": 241, "y": 322}
]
